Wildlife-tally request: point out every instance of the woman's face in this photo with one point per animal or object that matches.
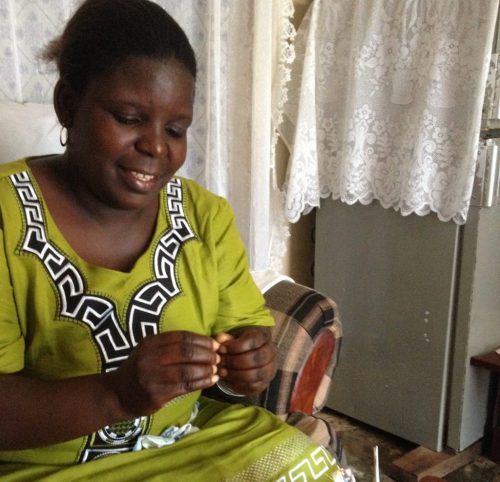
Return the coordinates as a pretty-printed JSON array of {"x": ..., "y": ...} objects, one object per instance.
[{"x": 128, "y": 132}]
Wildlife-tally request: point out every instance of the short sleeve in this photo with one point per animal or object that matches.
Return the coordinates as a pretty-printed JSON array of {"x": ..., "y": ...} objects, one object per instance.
[
  {"x": 11, "y": 339},
  {"x": 240, "y": 301}
]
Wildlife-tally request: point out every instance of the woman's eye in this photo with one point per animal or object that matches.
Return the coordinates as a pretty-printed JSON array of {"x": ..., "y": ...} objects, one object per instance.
[
  {"x": 176, "y": 132},
  {"x": 126, "y": 119}
]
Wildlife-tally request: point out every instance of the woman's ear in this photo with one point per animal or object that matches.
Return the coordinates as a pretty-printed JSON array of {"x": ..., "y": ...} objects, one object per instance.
[{"x": 65, "y": 103}]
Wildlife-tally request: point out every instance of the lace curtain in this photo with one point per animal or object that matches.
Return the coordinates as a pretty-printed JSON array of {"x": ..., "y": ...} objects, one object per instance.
[
  {"x": 385, "y": 104},
  {"x": 244, "y": 53}
]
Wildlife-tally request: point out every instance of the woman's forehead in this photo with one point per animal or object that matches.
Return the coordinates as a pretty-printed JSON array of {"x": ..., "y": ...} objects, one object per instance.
[{"x": 146, "y": 78}]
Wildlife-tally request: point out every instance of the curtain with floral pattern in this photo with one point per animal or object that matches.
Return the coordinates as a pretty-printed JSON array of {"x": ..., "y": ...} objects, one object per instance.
[{"x": 385, "y": 104}]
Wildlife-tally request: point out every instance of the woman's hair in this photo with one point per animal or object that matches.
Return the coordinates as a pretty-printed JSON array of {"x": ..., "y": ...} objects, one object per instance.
[{"x": 103, "y": 33}]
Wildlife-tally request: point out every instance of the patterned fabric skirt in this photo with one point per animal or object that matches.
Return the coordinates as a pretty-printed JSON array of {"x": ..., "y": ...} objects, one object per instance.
[{"x": 234, "y": 444}]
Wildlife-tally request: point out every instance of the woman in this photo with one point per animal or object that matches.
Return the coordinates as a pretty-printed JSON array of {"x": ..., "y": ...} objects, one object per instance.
[{"x": 124, "y": 290}]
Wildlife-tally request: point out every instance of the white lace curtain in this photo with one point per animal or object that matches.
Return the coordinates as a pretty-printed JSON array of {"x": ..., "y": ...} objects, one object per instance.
[
  {"x": 385, "y": 103},
  {"x": 243, "y": 51}
]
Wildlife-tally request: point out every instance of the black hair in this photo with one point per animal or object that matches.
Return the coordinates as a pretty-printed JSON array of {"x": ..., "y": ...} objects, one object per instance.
[{"x": 103, "y": 33}]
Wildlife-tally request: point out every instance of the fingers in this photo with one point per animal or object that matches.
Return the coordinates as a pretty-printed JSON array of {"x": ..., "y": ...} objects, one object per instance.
[
  {"x": 250, "y": 367},
  {"x": 186, "y": 338},
  {"x": 247, "y": 360},
  {"x": 223, "y": 338},
  {"x": 182, "y": 356},
  {"x": 170, "y": 364},
  {"x": 151, "y": 393},
  {"x": 171, "y": 348},
  {"x": 248, "y": 382},
  {"x": 246, "y": 389},
  {"x": 254, "y": 375},
  {"x": 247, "y": 339},
  {"x": 164, "y": 366},
  {"x": 249, "y": 348},
  {"x": 183, "y": 374},
  {"x": 182, "y": 379}
]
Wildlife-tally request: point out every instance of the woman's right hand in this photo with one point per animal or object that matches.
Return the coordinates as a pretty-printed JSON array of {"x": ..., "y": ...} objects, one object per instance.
[
  {"x": 164, "y": 366},
  {"x": 35, "y": 412}
]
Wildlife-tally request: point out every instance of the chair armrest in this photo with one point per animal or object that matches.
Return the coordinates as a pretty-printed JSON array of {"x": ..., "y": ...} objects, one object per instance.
[{"x": 308, "y": 335}]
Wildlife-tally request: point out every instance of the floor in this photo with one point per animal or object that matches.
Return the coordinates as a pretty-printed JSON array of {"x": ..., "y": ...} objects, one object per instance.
[{"x": 359, "y": 440}]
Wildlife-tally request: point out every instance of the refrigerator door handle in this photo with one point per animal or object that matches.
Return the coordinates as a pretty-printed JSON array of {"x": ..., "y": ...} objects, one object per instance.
[
  {"x": 491, "y": 178},
  {"x": 486, "y": 190}
]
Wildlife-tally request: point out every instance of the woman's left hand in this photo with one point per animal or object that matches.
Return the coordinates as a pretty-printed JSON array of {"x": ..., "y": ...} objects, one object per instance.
[{"x": 248, "y": 356}]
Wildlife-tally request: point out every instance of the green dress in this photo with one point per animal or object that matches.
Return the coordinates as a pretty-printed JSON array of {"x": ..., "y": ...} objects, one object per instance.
[{"x": 62, "y": 317}]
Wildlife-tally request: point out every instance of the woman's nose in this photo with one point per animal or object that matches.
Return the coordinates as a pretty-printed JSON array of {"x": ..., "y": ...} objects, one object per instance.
[{"x": 153, "y": 142}]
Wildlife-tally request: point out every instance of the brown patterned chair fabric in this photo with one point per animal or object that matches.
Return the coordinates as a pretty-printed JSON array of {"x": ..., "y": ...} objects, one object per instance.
[{"x": 307, "y": 334}]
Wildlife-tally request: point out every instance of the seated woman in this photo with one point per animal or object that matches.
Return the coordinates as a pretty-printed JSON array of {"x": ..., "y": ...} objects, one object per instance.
[{"x": 124, "y": 290}]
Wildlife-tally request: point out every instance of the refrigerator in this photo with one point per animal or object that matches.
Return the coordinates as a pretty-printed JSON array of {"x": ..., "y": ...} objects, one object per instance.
[{"x": 417, "y": 298}]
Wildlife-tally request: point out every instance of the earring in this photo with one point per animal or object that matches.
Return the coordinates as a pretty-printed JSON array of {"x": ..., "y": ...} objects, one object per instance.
[{"x": 64, "y": 136}]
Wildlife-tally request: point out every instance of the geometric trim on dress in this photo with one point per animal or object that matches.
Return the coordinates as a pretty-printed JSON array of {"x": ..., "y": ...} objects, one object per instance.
[
  {"x": 315, "y": 463},
  {"x": 99, "y": 313}
]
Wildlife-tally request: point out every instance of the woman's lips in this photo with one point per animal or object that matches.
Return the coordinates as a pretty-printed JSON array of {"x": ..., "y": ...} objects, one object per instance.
[
  {"x": 142, "y": 177},
  {"x": 140, "y": 181}
]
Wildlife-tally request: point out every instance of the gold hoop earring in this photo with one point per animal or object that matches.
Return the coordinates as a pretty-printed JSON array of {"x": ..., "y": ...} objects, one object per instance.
[{"x": 64, "y": 136}]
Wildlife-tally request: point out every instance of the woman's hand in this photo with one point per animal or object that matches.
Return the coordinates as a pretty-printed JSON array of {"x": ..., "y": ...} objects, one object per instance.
[
  {"x": 247, "y": 363},
  {"x": 163, "y": 367},
  {"x": 35, "y": 412}
]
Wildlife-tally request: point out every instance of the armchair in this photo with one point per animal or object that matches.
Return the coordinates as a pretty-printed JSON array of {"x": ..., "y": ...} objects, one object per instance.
[{"x": 307, "y": 334}]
